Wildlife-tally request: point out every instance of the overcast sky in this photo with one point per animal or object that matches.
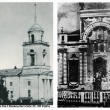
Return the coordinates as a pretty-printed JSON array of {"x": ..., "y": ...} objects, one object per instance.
[
  {"x": 68, "y": 17},
  {"x": 15, "y": 21}
]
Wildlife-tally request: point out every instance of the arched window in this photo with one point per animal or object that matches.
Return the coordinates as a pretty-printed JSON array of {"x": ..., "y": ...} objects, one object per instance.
[
  {"x": 32, "y": 37},
  {"x": 32, "y": 57}
]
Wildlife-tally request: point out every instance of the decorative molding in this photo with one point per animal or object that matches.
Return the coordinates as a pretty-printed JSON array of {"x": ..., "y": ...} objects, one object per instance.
[
  {"x": 62, "y": 50},
  {"x": 90, "y": 28}
]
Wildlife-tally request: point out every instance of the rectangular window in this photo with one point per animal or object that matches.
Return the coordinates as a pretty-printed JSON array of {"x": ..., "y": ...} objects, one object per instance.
[
  {"x": 11, "y": 92},
  {"x": 96, "y": 47},
  {"x": 29, "y": 93},
  {"x": 29, "y": 83},
  {"x": 73, "y": 38},
  {"x": 11, "y": 83},
  {"x": 101, "y": 47}
]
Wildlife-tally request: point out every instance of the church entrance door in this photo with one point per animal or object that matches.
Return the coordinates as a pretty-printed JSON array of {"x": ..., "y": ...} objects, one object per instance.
[{"x": 73, "y": 70}]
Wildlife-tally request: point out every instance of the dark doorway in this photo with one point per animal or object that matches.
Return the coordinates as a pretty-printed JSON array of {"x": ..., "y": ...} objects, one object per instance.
[
  {"x": 73, "y": 70},
  {"x": 100, "y": 65},
  {"x": 99, "y": 72}
]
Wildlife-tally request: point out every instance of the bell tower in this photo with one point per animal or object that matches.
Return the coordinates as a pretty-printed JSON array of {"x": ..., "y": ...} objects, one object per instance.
[{"x": 36, "y": 50}]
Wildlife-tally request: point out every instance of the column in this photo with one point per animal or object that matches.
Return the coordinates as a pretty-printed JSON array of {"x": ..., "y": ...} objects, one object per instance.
[
  {"x": 104, "y": 46},
  {"x": 82, "y": 67},
  {"x": 94, "y": 46},
  {"x": 51, "y": 89},
  {"x": 80, "y": 62},
  {"x": 85, "y": 66},
  {"x": 60, "y": 68},
  {"x": 98, "y": 47},
  {"x": 65, "y": 67},
  {"x": 81, "y": 27},
  {"x": 108, "y": 71},
  {"x": 44, "y": 89},
  {"x": 82, "y": 96},
  {"x": 101, "y": 99},
  {"x": 48, "y": 89}
]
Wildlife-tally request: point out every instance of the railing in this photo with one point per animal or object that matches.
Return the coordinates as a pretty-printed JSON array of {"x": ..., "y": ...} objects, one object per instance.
[
  {"x": 36, "y": 42},
  {"x": 90, "y": 97}
]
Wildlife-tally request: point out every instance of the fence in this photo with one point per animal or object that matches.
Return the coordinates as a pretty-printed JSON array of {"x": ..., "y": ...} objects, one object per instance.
[{"x": 90, "y": 97}]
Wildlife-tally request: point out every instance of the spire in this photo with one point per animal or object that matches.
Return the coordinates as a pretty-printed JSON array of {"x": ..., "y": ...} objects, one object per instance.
[
  {"x": 35, "y": 19},
  {"x": 35, "y": 26}
]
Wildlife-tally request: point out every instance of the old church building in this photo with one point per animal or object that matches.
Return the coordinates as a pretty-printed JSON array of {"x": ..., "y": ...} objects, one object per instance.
[
  {"x": 34, "y": 81},
  {"x": 84, "y": 57}
]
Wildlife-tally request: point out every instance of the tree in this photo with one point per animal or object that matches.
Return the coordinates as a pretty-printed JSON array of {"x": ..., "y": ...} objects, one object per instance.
[{"x": 3, "y": 92}]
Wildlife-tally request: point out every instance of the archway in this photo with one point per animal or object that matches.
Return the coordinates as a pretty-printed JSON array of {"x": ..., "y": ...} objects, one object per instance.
[
  {"x": 73, "y": 69},
  {"x": 99, "y": 66},
  {"x": 93, "y": 27}
]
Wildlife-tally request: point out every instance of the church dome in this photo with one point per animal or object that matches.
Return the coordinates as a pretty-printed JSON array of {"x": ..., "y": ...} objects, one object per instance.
[{"x": 35, "y": 27}]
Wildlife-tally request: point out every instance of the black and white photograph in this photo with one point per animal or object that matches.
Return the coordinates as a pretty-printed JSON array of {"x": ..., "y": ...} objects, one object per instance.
[
  {"x": 26, "y": 57},
  {"x": 83, "y": 54}
]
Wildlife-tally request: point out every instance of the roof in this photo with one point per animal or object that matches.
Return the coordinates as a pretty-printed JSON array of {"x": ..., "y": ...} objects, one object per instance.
[
  {"x": 15, "y": 72},
  {"x": 35, "y": 71},
  {"x": 35, "y": 27},
  {"x": 74, "y": 32},
  {"x": 47, "y": 73},
  {"x": 31, "y": 71},
  {"x": 10, "y": 72},
  {"x": 69, "y": 33}
]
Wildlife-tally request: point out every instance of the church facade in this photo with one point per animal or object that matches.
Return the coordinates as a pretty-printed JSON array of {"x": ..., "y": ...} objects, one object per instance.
[
  {"x": 84, "y": 58},
  {"x": 34, "y": 81}
]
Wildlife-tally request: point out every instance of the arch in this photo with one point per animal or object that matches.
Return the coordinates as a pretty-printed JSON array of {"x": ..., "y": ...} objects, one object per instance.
[
  {"x": 93, "y": 26},
  {"x": 31, "y": 50},
  {"x": 100, "y": 71},
  {"x": 73, "y": 56}
]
